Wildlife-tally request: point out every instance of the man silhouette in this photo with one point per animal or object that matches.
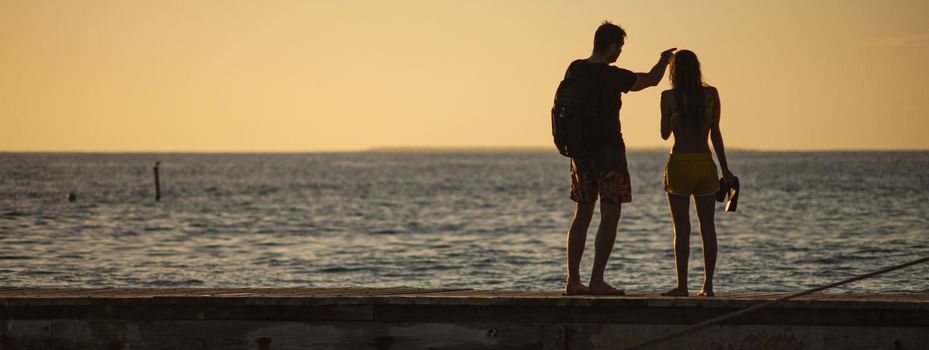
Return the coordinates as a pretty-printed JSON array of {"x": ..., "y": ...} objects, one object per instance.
[{"x": 606, "y": 173}]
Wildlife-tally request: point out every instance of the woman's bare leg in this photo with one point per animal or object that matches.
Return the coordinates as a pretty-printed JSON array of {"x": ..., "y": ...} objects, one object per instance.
[
  {"x": 680, "y": 214},
  {"x": 706, "y": 213}
]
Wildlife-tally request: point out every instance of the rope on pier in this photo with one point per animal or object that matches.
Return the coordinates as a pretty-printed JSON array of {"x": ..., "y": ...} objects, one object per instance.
[{"x": 713, "y": 321}]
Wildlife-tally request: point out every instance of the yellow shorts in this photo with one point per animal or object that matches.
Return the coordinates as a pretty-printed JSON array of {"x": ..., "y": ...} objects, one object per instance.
[{"x": 691, "y": 174}]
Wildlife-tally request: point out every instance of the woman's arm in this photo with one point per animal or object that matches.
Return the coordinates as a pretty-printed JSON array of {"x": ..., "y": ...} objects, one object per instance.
[
  {"x": 717, "y": 137},
  {"x": 666, "y": 99}
]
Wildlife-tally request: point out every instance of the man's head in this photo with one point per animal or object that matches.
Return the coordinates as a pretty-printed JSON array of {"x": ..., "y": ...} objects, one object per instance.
[{"x": 609, "y": 40}]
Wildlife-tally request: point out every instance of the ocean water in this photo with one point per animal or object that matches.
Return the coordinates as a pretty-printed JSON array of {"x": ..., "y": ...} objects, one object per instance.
[{"x": 488, "y": 220}]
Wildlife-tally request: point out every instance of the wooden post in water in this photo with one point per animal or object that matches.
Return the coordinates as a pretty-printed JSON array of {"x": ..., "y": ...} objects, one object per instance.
[{"x": 157, "y": 183}]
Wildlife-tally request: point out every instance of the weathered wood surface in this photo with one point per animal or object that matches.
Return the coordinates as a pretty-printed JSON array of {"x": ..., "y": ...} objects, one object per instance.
[
  {"x": 304, "y": 292},
  {"x": 287, "y": 296},
  {"x": 384, "y": 318},
  {"x": 454, "y": 305},
  {"x": 108, "y": 334}
]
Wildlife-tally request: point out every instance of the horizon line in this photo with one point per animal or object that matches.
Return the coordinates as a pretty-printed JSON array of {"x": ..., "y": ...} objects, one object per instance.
[{"x": 451, "y": 149}]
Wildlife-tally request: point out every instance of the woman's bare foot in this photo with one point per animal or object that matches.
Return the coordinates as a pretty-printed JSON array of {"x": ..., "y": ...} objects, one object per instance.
[
  {"x": 575, "y": 288},
  {"x": 676, "y": 292},
  {"x": 706, "y": 292},
  {"x": 602, "y": 288}
]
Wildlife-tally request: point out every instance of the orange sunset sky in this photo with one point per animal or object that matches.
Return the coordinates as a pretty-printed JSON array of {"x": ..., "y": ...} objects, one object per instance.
[{"x": 279, "y": 75}]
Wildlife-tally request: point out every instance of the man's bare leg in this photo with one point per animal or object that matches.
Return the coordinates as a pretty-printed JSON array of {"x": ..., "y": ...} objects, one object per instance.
[
  {"x": 680, "y": 215},
  {"x": 577, "y": 239},
  {"x": 706, "y": 213},
  {"x": 606, "y": 238}
]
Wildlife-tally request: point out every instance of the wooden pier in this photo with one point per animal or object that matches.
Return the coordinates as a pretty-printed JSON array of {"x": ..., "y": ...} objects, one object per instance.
[{"x": 411, "y": 318}]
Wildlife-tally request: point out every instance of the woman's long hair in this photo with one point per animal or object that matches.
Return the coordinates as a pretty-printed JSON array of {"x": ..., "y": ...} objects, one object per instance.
[{"x": 687, "y": 83}]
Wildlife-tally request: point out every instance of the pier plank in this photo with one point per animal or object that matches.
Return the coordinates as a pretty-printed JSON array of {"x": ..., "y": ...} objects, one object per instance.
[
  {"x": 25, "y": 334},
  {"x": 350, "y": 318},
  {"x": 43, "y": 293},
  {"x": 70, "y": 334},
  {"x": 8, "y": 293}
]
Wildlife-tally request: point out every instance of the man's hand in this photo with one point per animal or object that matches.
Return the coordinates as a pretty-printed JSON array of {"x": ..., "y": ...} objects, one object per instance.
[
  {"x": 653, "y": 77},
  {"x": 667, "y": 54}
]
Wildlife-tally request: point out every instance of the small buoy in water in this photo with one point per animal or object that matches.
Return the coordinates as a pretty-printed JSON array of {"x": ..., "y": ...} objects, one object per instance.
[{"x": 72, "y": 197}]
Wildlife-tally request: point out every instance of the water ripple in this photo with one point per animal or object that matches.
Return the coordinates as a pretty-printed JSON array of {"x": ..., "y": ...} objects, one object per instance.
[{"x": 473, "y": 220}]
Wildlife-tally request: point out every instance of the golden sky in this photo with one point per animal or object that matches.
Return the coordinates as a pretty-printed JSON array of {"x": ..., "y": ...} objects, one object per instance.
[{"x": 275, "y": 75}]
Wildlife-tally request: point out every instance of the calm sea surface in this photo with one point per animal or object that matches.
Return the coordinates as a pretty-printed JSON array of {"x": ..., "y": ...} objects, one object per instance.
[{"x": 473, "y": 220}]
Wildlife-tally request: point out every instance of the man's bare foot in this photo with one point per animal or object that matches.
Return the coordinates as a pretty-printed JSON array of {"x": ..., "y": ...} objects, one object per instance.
[
  {"x": 575, "y": 288},
  {"x": 602, "y": 288},
  {"x": 676, "y": 292},
  {"x": 706, "y": 292}
]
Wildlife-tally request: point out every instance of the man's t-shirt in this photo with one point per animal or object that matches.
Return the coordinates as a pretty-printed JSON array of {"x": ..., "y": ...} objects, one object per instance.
[{"x": 611, "y": 82}]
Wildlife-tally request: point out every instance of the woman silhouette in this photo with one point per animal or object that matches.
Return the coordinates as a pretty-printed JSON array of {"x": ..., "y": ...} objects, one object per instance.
[{"x": 690, "y": 111}]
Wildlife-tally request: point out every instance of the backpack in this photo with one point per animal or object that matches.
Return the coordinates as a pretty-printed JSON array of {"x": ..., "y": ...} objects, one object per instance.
[{"x": 575, "y": 116}]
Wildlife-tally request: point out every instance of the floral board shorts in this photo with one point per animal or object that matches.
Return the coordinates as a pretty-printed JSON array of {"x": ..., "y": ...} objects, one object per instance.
[{"x": 605, "y": 174}]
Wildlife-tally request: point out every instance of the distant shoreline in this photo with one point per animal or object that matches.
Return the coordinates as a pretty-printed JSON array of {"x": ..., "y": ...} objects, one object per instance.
[{"x": 447, "y": 150}]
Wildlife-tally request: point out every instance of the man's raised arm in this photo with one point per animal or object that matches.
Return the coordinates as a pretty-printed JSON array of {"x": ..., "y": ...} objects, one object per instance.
[{"x": 653, "y": 77}]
